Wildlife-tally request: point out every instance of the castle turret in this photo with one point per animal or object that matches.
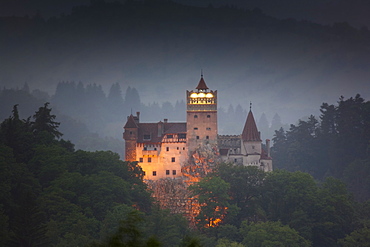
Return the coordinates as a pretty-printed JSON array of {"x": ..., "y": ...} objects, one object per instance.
[
  {"x": 201, "y": 116},
  {"x": 131, "y": 135},
  {"x": 251, "y": 140}
]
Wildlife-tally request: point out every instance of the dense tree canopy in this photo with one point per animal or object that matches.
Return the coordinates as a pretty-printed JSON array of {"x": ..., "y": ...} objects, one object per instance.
[
  {"x": 52, "y": 195},
  {"x": 337, "y": 145}
]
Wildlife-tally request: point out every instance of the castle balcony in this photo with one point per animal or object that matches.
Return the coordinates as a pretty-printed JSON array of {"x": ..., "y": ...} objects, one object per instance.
[{"x": 150, "y": 152}]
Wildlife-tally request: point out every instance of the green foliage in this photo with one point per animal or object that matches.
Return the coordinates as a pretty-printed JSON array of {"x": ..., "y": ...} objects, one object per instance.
[
  {"x": 129, "y": 234},
  {"x": 52, "y": 195},
  {"x": 271, "y": 234},
  {"x": 336, "y": 146},
  {"x": 357, "y": 238},
  {"x": 168, "y": 228},
  {"x": 44, "y": 122},
  {"x": 213, "y": 198},
  {"x": 245, "y": 190}
]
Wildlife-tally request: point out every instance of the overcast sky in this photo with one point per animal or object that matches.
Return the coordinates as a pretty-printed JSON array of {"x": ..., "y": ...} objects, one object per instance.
[{"x": 270, "y": 95}]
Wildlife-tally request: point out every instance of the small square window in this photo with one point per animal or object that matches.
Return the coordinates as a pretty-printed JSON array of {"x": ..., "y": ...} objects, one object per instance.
[
  {"x": 173, "y": 159},
  {"x": 154, "y": 173},
  {"x": 195, "y": 116},
  {"x": 141, "y": 160},
  {"x": 149, "y": 160},
  {"x": 207, "y": 137},
  {"x": 197, "y": 137},
  {"x": 130, "y": 132},
  {"x": 208, "y": 116},
  {"x": 173, "y": 172},
  {"x": 167, "y": 172}
]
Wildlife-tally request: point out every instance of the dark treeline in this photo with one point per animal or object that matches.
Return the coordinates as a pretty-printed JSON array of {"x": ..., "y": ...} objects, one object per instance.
[
  {"x": 53, "y": 195},
  {"x": 337, "y": 144},
  {"x": 278, "y": 208}
]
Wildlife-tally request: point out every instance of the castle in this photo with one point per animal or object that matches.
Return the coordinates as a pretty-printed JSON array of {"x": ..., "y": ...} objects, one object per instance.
[{"x": 162, "y": 148}]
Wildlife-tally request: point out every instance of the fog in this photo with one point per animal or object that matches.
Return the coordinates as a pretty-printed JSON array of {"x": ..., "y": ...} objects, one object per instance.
[{"x": 284, "y": 67}]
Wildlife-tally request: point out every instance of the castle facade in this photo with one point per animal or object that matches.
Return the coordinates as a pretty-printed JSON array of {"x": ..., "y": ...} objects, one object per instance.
[{"x": 162, "y": 148}]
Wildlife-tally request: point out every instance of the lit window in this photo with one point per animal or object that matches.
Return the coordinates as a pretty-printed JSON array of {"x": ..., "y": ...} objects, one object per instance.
[
  {"x": 149, "y": 160},
  {"x": 167, "y": 172},
  {"x": 141, "y": 160},
  {"x": 173, "y": 159},
  {"x": 154, "y": 173},
  {"x": 173, "y": 172}
]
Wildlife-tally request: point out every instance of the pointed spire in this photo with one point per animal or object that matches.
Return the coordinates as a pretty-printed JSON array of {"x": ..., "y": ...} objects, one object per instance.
[
  {"x": 250, "y": 131},
  {"x": 202, "y": 84}
]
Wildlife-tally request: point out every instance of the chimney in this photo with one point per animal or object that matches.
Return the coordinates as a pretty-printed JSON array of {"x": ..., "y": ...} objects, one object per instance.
[
  {"x": 160, "y": 129},
  {"x": 268, "y": 147},
  {"x": 165, "y": 120},
  {"x": 136, "y": 118}
]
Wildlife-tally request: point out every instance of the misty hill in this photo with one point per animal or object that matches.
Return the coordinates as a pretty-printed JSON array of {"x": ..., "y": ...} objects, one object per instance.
[{"x": 159, "y": 47}]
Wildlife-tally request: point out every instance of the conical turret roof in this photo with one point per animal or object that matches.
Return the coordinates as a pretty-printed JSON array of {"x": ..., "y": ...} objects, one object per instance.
[
  {"x": 202, "y": 84},
  {"x": 130, "y": 122},
  {"x": 250, "y": 131}
]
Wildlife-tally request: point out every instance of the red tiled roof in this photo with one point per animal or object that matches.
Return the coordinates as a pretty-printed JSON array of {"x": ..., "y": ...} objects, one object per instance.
[
  {"x": 250, "y": 131},
  {"x": 174, "y": 128},
  {"x": 152, "y": 130},
  {"x": 130, "y": 122},
  {"x": 202, "y": 84}
]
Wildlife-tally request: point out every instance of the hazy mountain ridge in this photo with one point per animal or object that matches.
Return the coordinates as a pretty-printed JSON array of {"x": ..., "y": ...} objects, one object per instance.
[{"x": 160, "y": 48}]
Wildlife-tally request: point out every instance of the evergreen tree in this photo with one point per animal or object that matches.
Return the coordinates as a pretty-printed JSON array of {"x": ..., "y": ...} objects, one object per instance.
[{"x": 44, "y": 122}]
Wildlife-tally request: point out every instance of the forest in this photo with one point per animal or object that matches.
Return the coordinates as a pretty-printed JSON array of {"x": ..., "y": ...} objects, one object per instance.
[
  {"x": 54, "y": 195},
  {"x": 62, "y": 178}
]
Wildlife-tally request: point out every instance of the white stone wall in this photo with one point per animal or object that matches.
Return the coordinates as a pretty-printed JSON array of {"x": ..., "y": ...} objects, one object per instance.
[{"x": 162, "y": 164}]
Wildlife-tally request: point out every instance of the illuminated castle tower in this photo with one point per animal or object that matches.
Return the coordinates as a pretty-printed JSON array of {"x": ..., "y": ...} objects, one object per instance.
[
  {"x": 201, "y": 116},
  {"x": 162, "y": 148}
]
